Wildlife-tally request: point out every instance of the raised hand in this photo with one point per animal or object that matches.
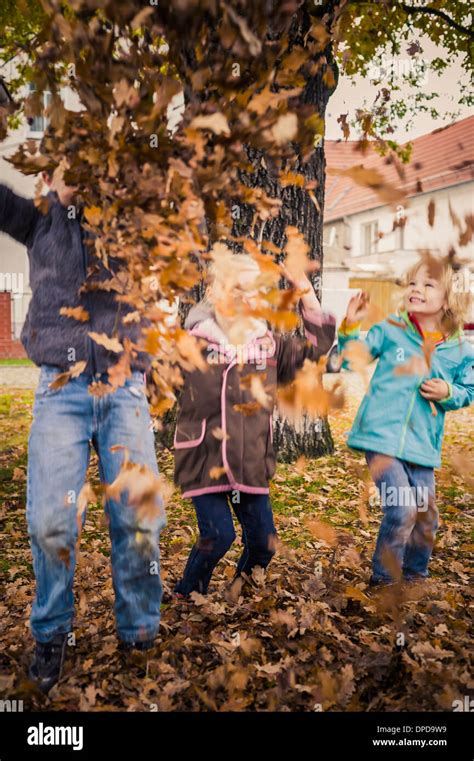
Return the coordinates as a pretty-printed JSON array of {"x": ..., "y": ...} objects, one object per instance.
[
  {"x": 358, "y": 307},
  {"x": 301, "y": 282}
]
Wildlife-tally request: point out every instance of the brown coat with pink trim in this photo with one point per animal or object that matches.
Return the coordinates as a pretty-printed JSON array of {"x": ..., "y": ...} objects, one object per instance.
[{"x": 212, "y": 432}]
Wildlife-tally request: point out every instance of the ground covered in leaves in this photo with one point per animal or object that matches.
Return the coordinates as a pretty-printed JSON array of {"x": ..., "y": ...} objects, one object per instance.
[{"x": 310, "y": 636}]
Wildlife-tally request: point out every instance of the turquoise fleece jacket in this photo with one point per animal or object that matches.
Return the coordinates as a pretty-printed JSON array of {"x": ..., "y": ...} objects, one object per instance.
[{"x": 393, "y": 418}]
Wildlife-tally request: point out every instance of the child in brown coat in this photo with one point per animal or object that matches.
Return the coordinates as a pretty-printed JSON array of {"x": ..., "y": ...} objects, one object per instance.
[{"x": 224, "y": 458}]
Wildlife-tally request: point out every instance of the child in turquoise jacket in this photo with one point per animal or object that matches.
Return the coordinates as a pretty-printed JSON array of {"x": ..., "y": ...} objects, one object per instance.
[{"x": 425, "y": 368}]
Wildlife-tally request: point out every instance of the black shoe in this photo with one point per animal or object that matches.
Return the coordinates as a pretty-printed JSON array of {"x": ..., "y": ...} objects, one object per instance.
[
  {"x": 415, "y": 579},
  {"x": 47, "y": 664},
  {"x": 141, "y": 645},
  {"x": 381, "y": 582}
]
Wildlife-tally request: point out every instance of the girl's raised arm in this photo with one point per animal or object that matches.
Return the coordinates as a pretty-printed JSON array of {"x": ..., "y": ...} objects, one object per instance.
[{"x": 350, "y": 328}]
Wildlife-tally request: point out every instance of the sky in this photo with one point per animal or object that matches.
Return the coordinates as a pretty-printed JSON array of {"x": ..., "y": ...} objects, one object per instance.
[
  {"x": 351, "y": 93},
  {"x": 355, "y": 92}
]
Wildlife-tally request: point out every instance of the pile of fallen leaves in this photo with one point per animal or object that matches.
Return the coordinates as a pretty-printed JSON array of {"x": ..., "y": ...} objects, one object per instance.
[{"x": 310, "y": 635}]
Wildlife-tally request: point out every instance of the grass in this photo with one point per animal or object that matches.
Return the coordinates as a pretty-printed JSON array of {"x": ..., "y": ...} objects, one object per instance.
[
  {"x": 322, "y": 631},
  {"x": 14, "y": 362}
]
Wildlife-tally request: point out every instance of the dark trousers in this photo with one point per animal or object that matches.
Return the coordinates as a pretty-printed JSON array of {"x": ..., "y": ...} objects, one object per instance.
[{"x": 216, "y": 534}]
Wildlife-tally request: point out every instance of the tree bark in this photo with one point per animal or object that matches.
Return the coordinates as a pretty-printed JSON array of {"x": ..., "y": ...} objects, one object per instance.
[{"x": 311, "y": 438}]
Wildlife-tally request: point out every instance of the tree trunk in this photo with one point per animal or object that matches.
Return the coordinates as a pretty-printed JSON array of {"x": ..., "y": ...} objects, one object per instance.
[
  {"x": 164, "y": 436},
  {"x": 311, "y": 438}
]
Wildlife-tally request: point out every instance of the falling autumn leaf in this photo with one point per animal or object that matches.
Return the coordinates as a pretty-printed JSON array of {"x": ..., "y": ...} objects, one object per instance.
[
  {"x": 216, "y": 123},
  {"x": 76, "y": 313},
  {"x": 111, "y": 344}
]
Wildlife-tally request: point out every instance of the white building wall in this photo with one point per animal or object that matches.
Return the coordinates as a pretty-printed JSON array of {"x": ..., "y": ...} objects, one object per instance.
[
  {"x": 394, "y": 248},
  {"x": 14, "y": 267},
  {"x": 395, "y": 251},
  {"x": 13, "y": 255}
]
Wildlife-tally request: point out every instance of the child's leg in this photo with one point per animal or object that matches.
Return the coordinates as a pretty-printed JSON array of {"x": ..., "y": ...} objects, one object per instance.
[
  {"x": 256, "y": 518},
  {"x": 123, "y": 418},
  {"x": 58, "y": 454},
  {"x": 420, "y": 544},
  {"x": 216, "y": 534},
  {"x": 399, "y": 515}
]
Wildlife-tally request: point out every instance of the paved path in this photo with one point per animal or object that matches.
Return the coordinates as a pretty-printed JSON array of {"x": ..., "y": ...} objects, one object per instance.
[
  {"x": 26, "y": 376},
  {"x": 19, "y": 376}
]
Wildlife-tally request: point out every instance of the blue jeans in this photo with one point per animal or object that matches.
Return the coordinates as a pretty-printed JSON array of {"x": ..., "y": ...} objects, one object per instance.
[
  {"x": 410, "y": 517},
  {"x": 66, "y": 423},
  {"x": 216, "y": 534}
]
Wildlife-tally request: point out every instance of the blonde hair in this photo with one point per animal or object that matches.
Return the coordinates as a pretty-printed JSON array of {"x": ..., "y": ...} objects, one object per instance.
[
  {"x": 228, "y": 265},
  {"x": 458, "y": 301}
]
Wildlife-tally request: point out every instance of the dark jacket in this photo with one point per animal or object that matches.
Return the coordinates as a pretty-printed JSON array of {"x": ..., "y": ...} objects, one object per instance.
[
  {"x": 214, "y": 431},
  {"x": 58, "y": 262}
]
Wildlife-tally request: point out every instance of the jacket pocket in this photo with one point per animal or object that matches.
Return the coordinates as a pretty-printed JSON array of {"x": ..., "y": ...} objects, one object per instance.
[{"x": 189, "y": 433}]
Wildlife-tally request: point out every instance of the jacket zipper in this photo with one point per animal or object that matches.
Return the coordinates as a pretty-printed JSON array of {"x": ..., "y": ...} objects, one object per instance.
[
  {"x": 405, "y": 425},
  {"x": 84, "y": 266},
  {"x": 410, "y": 410}
]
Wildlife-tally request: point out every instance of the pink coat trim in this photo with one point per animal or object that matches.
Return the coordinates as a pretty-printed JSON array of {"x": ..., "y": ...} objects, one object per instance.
[
  {"x": 191, "y": 442},
  {"x": 312, "y": 339},
  {"x": 233, "y": 485},
  {"x": 224, "y": 423}
]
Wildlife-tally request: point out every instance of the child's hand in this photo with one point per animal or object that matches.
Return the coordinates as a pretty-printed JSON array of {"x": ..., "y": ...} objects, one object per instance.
[
  {"x": 434, "y": 389},
  {"x": 357, "y": 308},
  {"x": 301, "y": 282},
  {"x": 298, "y": 280}
]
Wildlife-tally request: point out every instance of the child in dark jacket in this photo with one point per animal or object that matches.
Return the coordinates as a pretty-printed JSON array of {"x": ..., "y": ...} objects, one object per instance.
[
  {"x": 224, "y": 458},
  {"x": 68, "y": 420}
]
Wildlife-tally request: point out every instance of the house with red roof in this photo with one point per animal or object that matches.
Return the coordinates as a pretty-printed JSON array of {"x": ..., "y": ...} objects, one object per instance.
[{"x": 379, "y": 213}]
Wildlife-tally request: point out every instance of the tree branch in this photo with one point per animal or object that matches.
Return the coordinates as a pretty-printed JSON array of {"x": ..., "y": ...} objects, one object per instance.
[
  {"x": 440, "y": 14},
  {"x": 410, "y": 9},
  {"x": 21, "y": 48}
]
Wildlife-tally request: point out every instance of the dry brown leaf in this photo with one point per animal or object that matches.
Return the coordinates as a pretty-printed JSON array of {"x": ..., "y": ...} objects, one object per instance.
[
  {"x": 64, "y": 378},
  {"x": 215, "y": 122},
  {"x": 416, "y": 365},
  {"x": 216, "y": 472},
  {"x": 322, "y": 531},
  {"x": 76, "y": 313},
  {"x": 372, "y": 179},
  {"x": 111, "y": 344}
]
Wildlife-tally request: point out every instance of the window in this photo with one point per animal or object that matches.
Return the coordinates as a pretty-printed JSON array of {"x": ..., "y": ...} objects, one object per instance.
[
  {"x": 17, "y": 315},
  {"x": 39, "y": 123},
  {"x": 330, "y": 235},
  {"x": 347, "y": 236},
  {"x": 370, "y": 238},
  {"x": 401, "y": 236}
]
